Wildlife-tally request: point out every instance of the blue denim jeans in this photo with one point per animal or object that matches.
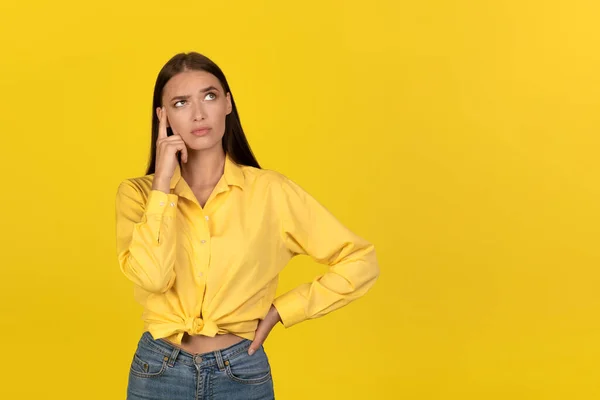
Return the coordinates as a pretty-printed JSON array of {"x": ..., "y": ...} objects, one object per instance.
[{"x": 160, "y": 371}]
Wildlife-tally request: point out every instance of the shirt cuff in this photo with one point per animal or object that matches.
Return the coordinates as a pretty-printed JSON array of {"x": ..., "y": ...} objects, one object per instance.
[
  {"x": 290, "y": 307},
  {"x": 161, "y": 203}
]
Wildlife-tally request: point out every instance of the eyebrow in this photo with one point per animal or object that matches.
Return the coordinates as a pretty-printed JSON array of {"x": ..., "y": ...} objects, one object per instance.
[{"x": 207, "y": 89}]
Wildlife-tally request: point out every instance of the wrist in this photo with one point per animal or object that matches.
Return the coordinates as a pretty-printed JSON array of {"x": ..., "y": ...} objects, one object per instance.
[
  {"x": 274, "y": 314},
  {"x": 161, "y": 183}
]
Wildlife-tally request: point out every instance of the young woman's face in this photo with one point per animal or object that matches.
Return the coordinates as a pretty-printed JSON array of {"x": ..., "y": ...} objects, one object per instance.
[{"x": 196, "y": 108}]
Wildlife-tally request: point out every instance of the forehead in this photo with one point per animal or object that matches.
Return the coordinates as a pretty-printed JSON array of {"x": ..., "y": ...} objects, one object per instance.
[{"x": 190, "y": 82}]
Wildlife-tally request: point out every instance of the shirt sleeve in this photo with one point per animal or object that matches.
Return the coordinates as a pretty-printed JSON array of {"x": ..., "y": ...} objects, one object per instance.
[
  {"x": 146, "y": 237},
  {"x": 308, "y": 228}
]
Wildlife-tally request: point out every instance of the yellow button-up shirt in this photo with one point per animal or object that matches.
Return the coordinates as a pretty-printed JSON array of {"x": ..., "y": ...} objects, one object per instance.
[{"x": 214, "y": 269}]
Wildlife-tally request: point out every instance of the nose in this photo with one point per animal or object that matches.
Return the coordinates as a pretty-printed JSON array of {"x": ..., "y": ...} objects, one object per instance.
[{"x": 198, "y": 111}]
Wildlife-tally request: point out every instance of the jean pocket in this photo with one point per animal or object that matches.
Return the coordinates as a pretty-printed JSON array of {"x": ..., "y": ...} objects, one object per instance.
[
  {"x": 148, "y": 364},
  {"x": 250, "y": 370}
]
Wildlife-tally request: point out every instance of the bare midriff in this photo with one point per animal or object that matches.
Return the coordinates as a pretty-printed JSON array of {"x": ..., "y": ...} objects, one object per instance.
[{"x": 197, "y": 344}]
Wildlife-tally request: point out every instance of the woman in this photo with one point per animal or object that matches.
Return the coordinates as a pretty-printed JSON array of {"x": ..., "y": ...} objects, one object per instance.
[{"x": 203, "y": 236}]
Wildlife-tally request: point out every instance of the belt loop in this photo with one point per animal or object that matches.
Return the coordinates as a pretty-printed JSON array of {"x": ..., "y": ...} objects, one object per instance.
[
  {"x": 173, "y": 357},
  {"x": 219, "y": 358}
]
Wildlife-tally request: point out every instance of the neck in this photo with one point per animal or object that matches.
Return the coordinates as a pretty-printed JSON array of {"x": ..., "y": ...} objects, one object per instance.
[{"x": 203, "y": 168}]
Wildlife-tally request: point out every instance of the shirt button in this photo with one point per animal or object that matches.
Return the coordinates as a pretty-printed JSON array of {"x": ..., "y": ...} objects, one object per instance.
[
  {"x": 206, "y": 218},
  {"x": 172, "y": 204},
  {"x": 162, "y": 203},
  {"x": 200, "y": 274},
  {"x": 203, "y": 241}
]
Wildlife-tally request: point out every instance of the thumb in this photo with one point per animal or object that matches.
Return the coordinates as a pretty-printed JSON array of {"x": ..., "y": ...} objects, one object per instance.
[{"x": 259, "y": 338}]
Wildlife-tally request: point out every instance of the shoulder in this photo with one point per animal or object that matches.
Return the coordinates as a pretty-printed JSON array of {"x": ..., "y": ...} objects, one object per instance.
[
  {"x": 136, "y": 187},
  {"x": 262, "y": 178},
  {"x": 272, "y": 182}
]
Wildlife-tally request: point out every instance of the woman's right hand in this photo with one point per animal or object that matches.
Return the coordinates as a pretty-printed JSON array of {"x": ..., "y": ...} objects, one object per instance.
[{"x": 167, "y": 148}]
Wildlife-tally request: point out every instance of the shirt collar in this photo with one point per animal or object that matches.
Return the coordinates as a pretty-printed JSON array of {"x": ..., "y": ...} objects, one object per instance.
[{"x": 232, "y": 174}]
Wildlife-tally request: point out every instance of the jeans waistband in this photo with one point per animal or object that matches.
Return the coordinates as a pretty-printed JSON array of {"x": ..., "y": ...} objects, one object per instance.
[{"x": 206, "y": 359}]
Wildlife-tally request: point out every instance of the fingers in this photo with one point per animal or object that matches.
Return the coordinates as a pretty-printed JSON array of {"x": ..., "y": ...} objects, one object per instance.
[
  {"x": 162, "y": 124},
  {"x": 254, "y": 346},
  {"x": 259, "y": 338},
  {"x": 184, "y": 155},
  {"x": 264, "y": 328},
  {"x": 169, "y": 144},
  {"x": 165, "y": 140},
  {"x": 262, "y": 331}
]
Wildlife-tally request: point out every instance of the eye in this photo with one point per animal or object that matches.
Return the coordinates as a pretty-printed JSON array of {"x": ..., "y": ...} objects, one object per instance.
[
  {"x": 214, "y": 96},
  {"x": 179, "y": 103}
]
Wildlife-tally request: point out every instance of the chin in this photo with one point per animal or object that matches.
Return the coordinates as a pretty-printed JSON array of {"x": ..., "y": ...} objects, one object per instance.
[{"x": 202, "y": 143}]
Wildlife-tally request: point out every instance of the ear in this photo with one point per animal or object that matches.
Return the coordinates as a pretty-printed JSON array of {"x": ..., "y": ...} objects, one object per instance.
[{"x": 229, "y": 107}]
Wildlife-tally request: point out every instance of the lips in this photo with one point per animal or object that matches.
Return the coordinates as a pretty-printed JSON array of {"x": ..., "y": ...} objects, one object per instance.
[{"x": 201, "y": 131}]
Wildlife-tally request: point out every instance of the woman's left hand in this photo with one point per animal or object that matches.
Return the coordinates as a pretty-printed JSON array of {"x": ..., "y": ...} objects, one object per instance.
[{"x": 264, "y": 328}]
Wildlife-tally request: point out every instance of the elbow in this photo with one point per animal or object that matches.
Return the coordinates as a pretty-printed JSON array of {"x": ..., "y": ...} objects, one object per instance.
[
  {"x": 150, "y": 281},
  {"x": 372, "y": 271},
  {"x": 159, "y": 285},
  {"x": 362, "y": 274}
]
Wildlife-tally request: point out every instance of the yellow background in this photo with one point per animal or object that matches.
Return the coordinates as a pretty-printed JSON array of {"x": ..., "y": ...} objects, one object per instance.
[{"x": 461, "y": 137}]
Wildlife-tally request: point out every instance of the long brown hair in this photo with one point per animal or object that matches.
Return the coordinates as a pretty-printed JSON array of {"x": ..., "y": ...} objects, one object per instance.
[{"x": 234, "y": 140}]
